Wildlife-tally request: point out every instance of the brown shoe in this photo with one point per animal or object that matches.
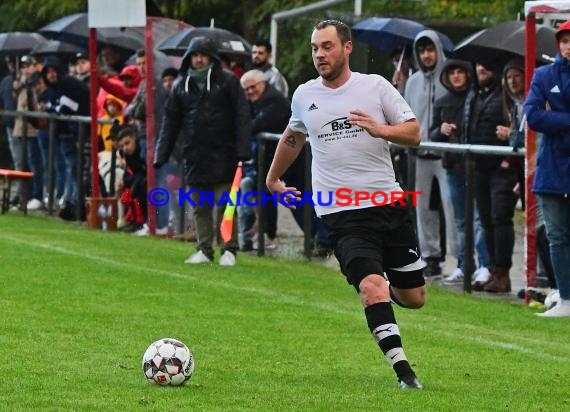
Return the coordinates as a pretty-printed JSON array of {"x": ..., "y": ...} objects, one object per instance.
[
  {"x": 188, "y": 236},
  {"x": 500, "y": 281}
]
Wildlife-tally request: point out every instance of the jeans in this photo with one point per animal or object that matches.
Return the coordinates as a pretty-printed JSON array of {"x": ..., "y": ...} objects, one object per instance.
[
  {"x": 59, "y": 163},
  {"x": 35, "y": 165},
  {"x": 247, "y": 213},
  {"x": 17, "y": 148},
  {"x": 496, "y": 205},
  {"x": 428, "y": 221},
  {"x": 295, "y": 177},
  {"x": 13, "y": 154},
  {"x": 556, "y": 211},
  {"x": 456, "y": 188},
  {"x": 68, "y": 150},
  {"x": 163, "y": 212}
]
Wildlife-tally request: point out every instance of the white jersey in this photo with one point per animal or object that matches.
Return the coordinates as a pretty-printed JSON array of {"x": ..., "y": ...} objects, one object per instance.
[{"x": 347, "y": 157}]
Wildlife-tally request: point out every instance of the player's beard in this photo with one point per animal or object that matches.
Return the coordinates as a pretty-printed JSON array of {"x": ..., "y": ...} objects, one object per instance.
[{"x": 334, "y": 69}]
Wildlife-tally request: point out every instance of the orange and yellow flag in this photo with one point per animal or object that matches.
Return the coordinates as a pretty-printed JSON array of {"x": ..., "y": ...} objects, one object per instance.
[{"x": 230, "y": 211}]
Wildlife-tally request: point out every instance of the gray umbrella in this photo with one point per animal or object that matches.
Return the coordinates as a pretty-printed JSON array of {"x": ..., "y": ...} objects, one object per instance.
[
  {"x": 18, "y": 43},
  {"x": 57, "y": 48},
  {"x": 496, "y": 45},
  {"x": 229, "y": 43}
]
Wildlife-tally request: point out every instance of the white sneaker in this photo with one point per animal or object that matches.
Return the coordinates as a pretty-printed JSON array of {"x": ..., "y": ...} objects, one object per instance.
[
  {"x": 228, "y": 259},
  {"x": 455, "y": 277},
  {"x": 143, "y": 231},
  {"x": 481, "y": 275},
  {"x": 163, "y": 231},
  {"x": 561, "y": 310},
  {"x": 34, "y": 204},
  {"x": 198, "y": 257}
]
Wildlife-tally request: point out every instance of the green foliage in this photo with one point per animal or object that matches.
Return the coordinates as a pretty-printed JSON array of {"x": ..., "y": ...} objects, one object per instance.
[
  {"x": 81, "y": 306},
  {"x": 252, "y": 19},
  {"x": 29, "y": 15},
  {"x": 472, "y": 12}
]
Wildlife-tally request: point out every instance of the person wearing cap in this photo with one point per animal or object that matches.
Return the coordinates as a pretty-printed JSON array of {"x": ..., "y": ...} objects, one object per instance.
[
  {"x": 82, "y": 67},
  {"x": 28, "y": 151},
  {"x": 208, "y": 106},
  {"x": 547, "y": 109}
]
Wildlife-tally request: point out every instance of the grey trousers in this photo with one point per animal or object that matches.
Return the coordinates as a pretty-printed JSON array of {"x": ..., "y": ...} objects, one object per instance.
[{"x": 208, "y": 217}]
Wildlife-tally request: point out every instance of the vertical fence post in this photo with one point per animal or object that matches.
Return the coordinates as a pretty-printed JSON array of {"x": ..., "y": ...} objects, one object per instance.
[
  {"x": 260, "y": 189},
  {"x": 469, "y": 215},
  {"x": 51, "y": 165},
  {"x": 80, "y": 205}
]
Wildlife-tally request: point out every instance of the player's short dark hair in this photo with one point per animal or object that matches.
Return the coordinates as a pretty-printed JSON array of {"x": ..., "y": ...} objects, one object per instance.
[
  {"x": 342, "y": 29},
  {"x": 141, "y": 53},
  {"x": 264, "y": 43}
]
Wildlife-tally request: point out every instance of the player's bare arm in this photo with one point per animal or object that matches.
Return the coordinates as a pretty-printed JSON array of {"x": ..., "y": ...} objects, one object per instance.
[
  {"x": 288, "y": 148},
  {"x": 406, "y": 133}
]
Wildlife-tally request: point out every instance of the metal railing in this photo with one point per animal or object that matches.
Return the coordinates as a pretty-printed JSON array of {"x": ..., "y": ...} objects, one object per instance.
[
  {"x": 52, "y": 118},
  {"x": 468, "y": 150}
]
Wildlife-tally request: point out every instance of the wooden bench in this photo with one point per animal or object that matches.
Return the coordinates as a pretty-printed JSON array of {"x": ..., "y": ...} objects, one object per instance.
[{"x": 7, "y": 177}]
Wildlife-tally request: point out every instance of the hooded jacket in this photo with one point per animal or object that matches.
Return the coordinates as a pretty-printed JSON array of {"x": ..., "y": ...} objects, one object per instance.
[
  {"x": 483, "y": 113},
  {"x": 423, "y": 87},
  {"x": 449, "y": 109},
  {"x": 547, "y": 109},
  {"x": 113, "y": 85},
  {"x": 106, "y": 142},
  {"x": 215, "y": 121},
  {"x": 513, "y": 104},
  {"x": 68, "y": 87}
]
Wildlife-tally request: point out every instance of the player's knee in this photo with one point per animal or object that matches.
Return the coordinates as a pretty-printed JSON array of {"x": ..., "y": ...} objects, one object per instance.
[
  {"x": 373, "y": 289},
  {"x": 413, "y": 298}
]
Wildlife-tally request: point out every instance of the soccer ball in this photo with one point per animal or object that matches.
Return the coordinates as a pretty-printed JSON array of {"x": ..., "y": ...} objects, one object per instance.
[
  {"x": 551, "y": 299},
  {"x": 168, "y": 362}
]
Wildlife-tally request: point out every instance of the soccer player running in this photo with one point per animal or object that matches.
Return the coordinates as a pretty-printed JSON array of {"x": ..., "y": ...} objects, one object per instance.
[{"x": 350, "y": 118}]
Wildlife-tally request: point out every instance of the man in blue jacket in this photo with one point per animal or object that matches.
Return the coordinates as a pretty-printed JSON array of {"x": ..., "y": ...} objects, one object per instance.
[{"x": 547, "y": 109}]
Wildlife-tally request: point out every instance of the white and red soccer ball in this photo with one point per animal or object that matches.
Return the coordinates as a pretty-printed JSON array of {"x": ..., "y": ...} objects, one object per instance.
[{"x": 168, "y": 362}]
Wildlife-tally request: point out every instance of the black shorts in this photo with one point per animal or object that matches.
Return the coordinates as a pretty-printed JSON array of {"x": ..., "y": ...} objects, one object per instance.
[{"x": 377, "y": 240}]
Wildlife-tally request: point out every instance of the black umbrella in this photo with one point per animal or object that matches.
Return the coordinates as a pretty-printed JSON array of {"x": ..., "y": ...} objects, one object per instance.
[
  {"x": 56, "y": 47},
  {"x": 73, "y": 29},
  {"x": 18, "y": 43},
  {"x": 392, "y": 33},
  {"x": 494, "y": 46},
  {"x": 229, "y": 42}
]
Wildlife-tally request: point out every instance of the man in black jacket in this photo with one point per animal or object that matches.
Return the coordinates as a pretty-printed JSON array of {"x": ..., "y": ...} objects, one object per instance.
[
  {"x": 495, "y": 178},
  {"x": 208, "y": 106},
  {"x": 72, "y": 99}
]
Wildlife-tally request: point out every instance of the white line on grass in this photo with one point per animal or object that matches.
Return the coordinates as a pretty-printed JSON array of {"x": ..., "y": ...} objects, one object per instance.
[{"x": 286, "y": 298}]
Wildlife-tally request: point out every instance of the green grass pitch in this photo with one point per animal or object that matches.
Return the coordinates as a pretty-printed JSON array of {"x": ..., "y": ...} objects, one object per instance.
[{"x": 79, "y": 307}]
